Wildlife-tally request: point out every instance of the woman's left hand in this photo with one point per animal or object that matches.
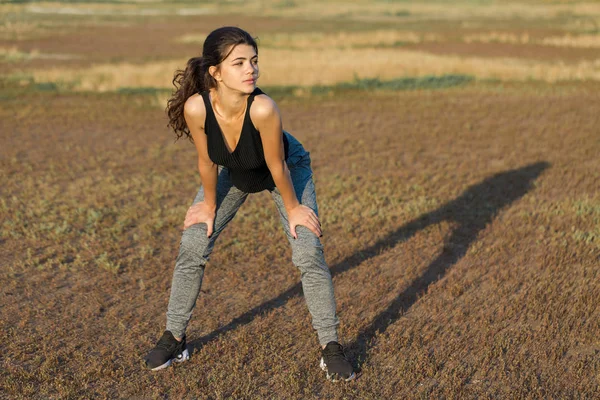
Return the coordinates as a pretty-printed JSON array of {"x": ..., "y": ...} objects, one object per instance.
[{"x": 305, "y": 216}]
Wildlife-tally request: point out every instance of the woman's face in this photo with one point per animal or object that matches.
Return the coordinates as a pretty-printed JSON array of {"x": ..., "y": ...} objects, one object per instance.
[{"x": 239, "y": 71}]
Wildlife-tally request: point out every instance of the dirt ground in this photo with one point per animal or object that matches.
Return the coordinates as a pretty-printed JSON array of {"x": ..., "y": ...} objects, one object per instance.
[{"x": 461, "y": 226}]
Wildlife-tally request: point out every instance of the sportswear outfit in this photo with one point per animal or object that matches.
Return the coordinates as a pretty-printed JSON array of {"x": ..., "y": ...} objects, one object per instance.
[{"x": 241, "y": 172}]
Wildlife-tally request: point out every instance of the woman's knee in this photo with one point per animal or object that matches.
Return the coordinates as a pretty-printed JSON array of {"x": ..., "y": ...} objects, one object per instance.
[
  {"x": 193, "y": 248},
  {"x": 307, "y": 250}
]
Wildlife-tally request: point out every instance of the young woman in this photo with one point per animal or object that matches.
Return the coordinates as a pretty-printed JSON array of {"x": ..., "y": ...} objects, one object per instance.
[{"x": 242, "y": 149}]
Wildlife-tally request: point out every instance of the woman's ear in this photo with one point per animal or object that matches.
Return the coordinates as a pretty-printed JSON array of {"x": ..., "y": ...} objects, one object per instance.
[{"x": 214, "y": 72}]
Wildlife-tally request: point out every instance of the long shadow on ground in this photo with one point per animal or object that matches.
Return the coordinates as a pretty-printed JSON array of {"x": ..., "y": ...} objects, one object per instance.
[{"x": 473, "y": 210}]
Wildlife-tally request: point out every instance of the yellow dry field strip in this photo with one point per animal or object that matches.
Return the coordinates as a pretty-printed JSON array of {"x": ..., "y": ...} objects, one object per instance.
[
  {"x": 389, "y": 37},
  {"x": 317, "y": 67},
  {"x": 578, "y": 41},
  {"x": 341, "y": 39}
]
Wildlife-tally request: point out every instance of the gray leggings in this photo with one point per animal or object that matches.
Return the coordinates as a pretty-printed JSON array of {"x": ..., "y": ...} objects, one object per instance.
[{"x": 307, "y": 253}]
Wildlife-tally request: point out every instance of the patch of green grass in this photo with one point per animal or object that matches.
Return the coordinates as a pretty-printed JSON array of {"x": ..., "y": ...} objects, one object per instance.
[
  {"x": 14, "y": 56},
  {"x": 105, "y": 263},
  {"x": 16, "y": 85},
  {"x": 426, "y": 82},
  {"x": 590, "y": 238},
  {"x": 286, "y": 4},
  {"x": 367, "y": 84},
  {"x": 586, "y": 24},
  {"x": 282, "y": 91},
  {"x": 399, "y": 13},
  {"x": 46, "y": 87},
  {"x": 587, "y": 208},
  {"x": 14, "y": 88}
]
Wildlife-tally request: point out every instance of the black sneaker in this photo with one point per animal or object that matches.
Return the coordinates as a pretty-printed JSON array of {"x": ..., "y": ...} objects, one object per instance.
[
  {"x": 335, "y": 364},
  {"x": 167, "y": 350}
]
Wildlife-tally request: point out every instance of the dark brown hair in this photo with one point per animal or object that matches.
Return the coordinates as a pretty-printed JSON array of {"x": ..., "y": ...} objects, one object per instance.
[{"x": 195, "y": 78}]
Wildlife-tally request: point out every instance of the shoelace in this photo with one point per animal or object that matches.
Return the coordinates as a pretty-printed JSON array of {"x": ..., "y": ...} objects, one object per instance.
[
  {"x": 164, "y": 343},
  {"x": 334, "y": 352}
]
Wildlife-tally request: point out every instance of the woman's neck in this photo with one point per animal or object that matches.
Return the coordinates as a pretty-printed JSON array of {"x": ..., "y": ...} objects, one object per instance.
[{"x": 228, "y": 104}]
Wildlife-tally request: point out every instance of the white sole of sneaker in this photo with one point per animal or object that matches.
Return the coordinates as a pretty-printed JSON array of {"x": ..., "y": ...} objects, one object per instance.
[
  {"x": 184, "y": 356},
  {"x": 332, "y": 377}
]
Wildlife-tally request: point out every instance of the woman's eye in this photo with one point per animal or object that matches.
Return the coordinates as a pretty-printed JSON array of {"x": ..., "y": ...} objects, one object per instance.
[{"x": 238, "y": 63}]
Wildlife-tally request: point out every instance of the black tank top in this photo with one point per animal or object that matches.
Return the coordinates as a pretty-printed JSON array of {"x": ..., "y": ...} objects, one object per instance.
[{"x": 247, "y": 167}]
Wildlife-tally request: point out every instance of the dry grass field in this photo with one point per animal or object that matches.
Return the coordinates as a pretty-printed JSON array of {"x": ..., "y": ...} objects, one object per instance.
[{"x": 456, "y": 150}]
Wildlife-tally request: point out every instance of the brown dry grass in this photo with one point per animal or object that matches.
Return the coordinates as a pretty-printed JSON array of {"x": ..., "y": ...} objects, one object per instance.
[
  {"x": 462, "y": 226},
  {"x": 462, "y": 237}
]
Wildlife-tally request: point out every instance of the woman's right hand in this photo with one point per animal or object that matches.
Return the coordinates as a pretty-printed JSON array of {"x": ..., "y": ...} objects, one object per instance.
[
  {"x": 200, "y": 213},
  {"x": 305, "y": 216}
]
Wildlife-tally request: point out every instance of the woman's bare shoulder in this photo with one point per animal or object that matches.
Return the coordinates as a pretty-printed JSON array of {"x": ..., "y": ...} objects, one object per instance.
[
  {"x": 263, "y": 107},
  {"x": 194, "y": 107}
]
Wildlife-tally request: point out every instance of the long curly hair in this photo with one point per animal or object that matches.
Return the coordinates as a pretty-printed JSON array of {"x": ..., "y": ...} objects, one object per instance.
[{"x": 195, "y": 77}]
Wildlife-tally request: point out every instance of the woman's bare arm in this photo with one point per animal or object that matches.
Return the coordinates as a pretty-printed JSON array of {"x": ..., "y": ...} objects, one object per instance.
[
  {"x": 195, "y": 115},
  {"x": 267, "y": 120}
]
